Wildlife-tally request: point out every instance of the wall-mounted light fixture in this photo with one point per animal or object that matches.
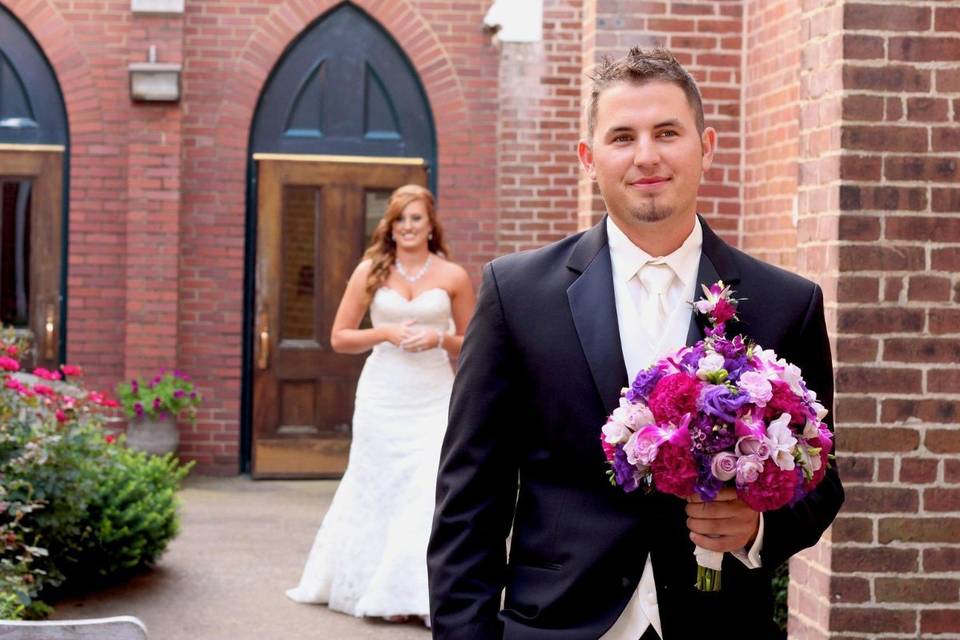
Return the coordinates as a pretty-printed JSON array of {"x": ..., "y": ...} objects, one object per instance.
[{"x": 154, "y": 81}]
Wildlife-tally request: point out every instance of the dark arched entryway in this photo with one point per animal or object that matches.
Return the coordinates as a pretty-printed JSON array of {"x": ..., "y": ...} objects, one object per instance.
[
  {"x": 33, "y": 179},
  {"x": 343, "y": 120}
]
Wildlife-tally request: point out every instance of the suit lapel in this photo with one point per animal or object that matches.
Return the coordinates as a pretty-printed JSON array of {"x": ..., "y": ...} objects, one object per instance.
[
  {"x": 716, "y": 263},
  {"x": 706, "y": 275},
  {"x": 594, "y": 307},
  {"x": 594, "y": 311}
]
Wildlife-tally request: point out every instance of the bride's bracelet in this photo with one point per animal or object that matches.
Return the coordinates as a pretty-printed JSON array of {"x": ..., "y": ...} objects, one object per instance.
[{"x": 439, "y": 338}]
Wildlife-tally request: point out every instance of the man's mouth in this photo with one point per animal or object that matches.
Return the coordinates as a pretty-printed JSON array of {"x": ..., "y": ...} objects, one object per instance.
[{"x": 655, "y": 180}]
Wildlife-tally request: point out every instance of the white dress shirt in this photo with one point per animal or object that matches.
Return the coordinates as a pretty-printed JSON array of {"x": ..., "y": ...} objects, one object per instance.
[{"x": 639, "y": 352}]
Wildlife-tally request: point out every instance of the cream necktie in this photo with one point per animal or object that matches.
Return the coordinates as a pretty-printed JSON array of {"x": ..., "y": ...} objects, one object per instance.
[{"x": 655, "y": 278}]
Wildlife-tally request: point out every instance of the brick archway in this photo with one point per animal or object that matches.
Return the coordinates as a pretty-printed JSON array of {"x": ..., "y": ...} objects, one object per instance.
[
  {"x": 400, "y": 19},
  {"x": 47, "y": 25}
]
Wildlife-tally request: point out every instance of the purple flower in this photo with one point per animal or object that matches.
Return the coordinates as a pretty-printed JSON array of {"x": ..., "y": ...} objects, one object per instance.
[
  {"x": 138, "y": 409},
  {"x": 135, "y": 386},
  {"x": 644, "y": 383},
  {"x": 735, "y": 367},
  {"x": 179, "y": 393},
  {"x": 157, "y": 404},
  {"x": 692, "y": 357},
  {"x": 626, "y": 474},
  {"x": 716, "y": 400},
  {"x": 708, "y": 485},
  {"x": 193, "y": 395},
  {"x": 715, "y": 437}
]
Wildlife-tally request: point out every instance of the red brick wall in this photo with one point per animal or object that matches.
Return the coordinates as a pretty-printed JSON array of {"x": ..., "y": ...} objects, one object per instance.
[
  {"x": 157, "y": 200},
  {"x": 706, "y": 37},
  {"x": 771, "y": 105},
  {"x": 820, "y": 92},
  {"x": 88, "y": 56},
  {"x": 233, "y": 46},
  {"x": 898, "y": 326},
  {"x": 538, "y": 130}
]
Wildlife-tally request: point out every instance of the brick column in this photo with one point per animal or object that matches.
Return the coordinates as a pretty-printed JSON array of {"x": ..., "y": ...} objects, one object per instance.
[
  {"x": 771, "y": 140},
  {"x": 820, "y": 153},
  {"x": 538, "y": 133},
  {"x": 891, "y": 205},
  {"x": 153, "y": 216},
  {"x": 706, "y": 37}
]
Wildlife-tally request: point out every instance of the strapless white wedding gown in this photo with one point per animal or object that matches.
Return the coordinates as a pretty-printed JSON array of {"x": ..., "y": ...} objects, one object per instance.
[{"x": 369, "y": 556}]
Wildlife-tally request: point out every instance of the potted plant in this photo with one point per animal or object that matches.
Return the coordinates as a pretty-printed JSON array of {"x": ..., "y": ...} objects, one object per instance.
[{"x": 153, "y": 409}]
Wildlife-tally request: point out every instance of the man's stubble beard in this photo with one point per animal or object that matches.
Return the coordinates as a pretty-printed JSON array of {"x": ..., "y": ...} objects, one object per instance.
[{"x": 649, "y": 212}]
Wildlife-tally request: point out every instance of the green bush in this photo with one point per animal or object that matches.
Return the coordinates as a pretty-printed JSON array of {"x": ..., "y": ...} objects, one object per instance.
[
  {"x": 133, "y": 516},
  {"x": 781, "y": 580},
  {"x": 72, "y": 501}
]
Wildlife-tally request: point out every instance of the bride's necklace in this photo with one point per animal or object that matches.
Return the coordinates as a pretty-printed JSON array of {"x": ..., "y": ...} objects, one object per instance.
[{"x": 419, "y": 274}]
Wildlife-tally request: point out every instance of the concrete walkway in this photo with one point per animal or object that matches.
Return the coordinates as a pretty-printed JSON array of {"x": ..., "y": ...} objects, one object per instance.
[{"x": 242, "y": 543}]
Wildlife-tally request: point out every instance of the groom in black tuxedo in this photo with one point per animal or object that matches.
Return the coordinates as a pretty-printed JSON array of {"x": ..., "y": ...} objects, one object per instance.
[{"x": 556, "y": 334}]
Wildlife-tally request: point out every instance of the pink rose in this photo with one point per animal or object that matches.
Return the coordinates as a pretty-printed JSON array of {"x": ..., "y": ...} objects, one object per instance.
[
  {"x": 753, "y": 446},
  {"x": 724, "y": 466},
  {"x": 643, "y": 446},
  {"x": 756, "y": 385},
  {"x": 773, "y": 488},
  {"x": 675, "y": 470},
  {"x": 674, "y": 396},
  {"x": 748, "y": 469},
  {"x": 786, "y": 401}
]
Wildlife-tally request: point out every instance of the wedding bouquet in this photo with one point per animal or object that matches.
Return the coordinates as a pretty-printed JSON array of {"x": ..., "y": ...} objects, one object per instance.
[{"x": 723, "y": 412}]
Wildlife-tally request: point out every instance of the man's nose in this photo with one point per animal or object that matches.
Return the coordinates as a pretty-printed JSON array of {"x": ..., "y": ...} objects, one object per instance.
[{"x": 645, "y": 153}]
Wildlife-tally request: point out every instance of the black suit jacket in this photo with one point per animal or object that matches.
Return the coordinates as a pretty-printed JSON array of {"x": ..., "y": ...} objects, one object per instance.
[{"x": 540, "y": 370}]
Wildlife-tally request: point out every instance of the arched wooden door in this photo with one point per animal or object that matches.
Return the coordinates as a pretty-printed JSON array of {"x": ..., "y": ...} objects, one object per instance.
[
  {"x": 342, "y": 121},
  {"x": 33, "y": 160}
]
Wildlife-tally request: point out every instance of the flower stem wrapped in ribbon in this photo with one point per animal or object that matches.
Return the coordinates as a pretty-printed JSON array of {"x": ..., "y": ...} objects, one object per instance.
[{"x": 722, "y": 412}]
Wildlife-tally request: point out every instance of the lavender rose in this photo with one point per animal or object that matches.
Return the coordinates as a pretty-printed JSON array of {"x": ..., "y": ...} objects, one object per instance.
[{"x": 724, "y": 465}]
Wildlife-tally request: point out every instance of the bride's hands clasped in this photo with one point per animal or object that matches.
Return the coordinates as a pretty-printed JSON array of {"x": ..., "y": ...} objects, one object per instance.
[
  {"x": 422, "y": 339},
  {"x": 399, "y": 334}
]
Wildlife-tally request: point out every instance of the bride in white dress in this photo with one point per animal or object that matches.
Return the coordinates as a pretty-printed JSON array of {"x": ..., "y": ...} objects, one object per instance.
[{"x": 369, "y": 556}]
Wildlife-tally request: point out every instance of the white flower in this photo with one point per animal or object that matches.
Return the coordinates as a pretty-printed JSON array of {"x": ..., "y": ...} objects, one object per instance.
[
  {"x": 708, "y": 364},
  {"x": 792, "y": 376},
  {"x": 781, "y": 442},
  {"x": 626, "y": 419},
  {"x": 819, "y": 408},
  {"x": 615, "y": 432}
]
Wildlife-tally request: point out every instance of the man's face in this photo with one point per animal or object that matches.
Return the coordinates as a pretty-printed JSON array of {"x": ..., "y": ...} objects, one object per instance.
[{"x": 646, "y": 154}]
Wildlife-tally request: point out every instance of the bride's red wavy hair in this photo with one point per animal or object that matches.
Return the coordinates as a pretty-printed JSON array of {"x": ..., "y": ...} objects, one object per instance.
[{"x": 382, "y": 251}]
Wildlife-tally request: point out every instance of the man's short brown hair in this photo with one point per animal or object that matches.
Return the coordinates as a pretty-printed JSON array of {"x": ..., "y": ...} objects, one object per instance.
[{"x": 639, "y": 67}]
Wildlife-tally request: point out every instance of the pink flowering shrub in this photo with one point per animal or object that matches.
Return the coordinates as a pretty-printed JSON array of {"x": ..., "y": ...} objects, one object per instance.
[{"x": 68, "y": 490}]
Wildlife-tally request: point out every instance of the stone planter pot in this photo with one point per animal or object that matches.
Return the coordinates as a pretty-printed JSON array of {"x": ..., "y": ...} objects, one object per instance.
[{"x": 157, "y": 435}]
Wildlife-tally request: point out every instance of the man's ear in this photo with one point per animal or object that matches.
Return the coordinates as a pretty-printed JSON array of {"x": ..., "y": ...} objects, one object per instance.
[
  {"x": 708, "y": 143},
  {"x": 585, "y": 153}
]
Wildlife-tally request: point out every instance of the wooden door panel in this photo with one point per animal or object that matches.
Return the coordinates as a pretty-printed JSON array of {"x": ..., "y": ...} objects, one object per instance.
[
  {"x": 312, "y": 228},
  {"x": 41, "y": 165}
]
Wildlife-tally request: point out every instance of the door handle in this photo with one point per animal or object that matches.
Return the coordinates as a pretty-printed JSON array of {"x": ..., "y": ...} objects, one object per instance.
[
  {"x": 49, "y": 327},
  {"x": 263, "y": 359}
]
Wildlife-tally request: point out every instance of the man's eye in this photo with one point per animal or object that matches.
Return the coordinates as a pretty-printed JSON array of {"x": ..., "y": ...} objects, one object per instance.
[
  {"x": 622, "y": 138},
  {"x": 667, "y": 133}
]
